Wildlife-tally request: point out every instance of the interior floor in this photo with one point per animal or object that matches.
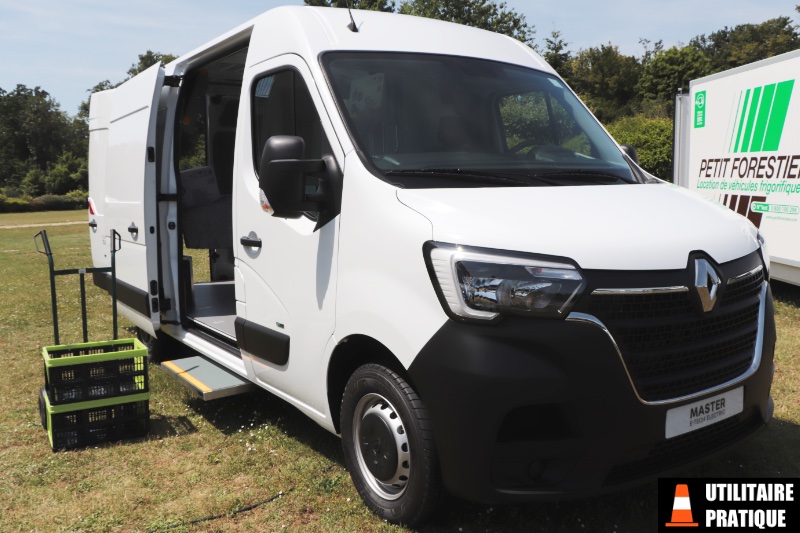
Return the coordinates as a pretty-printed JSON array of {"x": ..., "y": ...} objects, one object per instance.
[{"x": 215, "y": 307}]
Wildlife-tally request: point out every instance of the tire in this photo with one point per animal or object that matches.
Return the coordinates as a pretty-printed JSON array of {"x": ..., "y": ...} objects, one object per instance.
[
  {"x": 389, "y": 447},
  {"x": 159, "y": 348}
]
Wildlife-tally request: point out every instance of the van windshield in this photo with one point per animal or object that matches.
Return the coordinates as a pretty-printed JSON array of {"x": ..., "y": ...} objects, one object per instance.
[{"x": 444, "y": 121}]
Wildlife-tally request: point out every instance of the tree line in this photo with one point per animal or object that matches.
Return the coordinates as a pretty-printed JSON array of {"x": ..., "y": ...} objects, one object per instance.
[{"x": 43, "y": 150}]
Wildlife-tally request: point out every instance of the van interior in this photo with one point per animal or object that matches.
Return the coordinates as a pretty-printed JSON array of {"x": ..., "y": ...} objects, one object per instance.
[{"x": 205, "y": 140}]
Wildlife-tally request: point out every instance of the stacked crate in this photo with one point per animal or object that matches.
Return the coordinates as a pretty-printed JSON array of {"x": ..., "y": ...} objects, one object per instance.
[{"x": 95, "y": 392}]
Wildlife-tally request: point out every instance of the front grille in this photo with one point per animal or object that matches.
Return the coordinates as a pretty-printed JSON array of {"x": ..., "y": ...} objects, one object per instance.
[
  {"x": 743, "y": 289},
  {"x": 640, "y": 306},
  {"x": 688, "y": 330},
  {"x": 671, "y": 348},
  {"x": 680, "y": 450}
]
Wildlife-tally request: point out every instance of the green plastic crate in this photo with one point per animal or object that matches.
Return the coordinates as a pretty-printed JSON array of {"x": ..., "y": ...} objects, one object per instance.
[
  {"x": 95, "y": 370},
  {"x": 94, "y": 422}
]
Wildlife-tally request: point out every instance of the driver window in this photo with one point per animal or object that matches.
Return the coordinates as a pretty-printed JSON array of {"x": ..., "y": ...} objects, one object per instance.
[{"x": 282, "y": 105}]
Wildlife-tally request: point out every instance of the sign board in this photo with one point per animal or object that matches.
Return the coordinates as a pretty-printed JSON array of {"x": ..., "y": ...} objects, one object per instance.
[{"x": 744, "y": 149}]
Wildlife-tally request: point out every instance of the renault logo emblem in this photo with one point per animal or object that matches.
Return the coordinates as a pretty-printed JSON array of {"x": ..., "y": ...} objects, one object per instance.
[{"x": 706, "y": 281}]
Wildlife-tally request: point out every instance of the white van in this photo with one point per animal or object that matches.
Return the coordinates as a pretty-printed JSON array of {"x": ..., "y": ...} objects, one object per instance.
[{"x": 422, "y": 239}]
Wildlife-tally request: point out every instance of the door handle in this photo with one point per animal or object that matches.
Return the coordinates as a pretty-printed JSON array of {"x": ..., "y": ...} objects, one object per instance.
[
  {"x": 93, "y": 224},
  {"x": 252, "y": 242},
  {"x": 133, "y": 229}
]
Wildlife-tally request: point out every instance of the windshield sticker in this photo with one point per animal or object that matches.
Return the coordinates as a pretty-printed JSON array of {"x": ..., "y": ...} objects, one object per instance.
[
  {"x": 264, "y": 87},
  {"x": 366, "y": 94}
]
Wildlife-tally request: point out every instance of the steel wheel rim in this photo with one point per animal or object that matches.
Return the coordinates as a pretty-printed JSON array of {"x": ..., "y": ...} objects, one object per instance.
[{"x": 373, "y": 409}]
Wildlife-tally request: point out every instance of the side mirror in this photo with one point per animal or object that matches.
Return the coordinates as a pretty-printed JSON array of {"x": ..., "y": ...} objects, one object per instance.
[
  {"x": 631, "y": 152},
  {"x": 282, "y": 175}
]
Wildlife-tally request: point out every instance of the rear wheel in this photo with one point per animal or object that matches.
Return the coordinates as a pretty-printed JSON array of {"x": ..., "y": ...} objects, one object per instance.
[
  {"x": 159, "y": 348},
  {"x": 388, "y": 446}
]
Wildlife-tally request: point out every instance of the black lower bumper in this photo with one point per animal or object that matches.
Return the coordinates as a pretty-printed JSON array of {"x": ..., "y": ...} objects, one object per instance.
[{"x": 536, "y": 409}]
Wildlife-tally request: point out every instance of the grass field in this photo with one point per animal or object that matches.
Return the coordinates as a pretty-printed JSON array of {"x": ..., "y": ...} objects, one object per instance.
[{"x": 216, "y": 458}]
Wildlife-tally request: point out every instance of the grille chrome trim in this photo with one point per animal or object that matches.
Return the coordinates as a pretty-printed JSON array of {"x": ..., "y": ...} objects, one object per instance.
[
  {"x": 759, "y": 345},
  {"x": 746, "y": 275},
  {"x": 635, "y": 291}
]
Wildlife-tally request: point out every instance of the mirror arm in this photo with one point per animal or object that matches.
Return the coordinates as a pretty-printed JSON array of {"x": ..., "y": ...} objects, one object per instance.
[{"x": 329, "y": 192}]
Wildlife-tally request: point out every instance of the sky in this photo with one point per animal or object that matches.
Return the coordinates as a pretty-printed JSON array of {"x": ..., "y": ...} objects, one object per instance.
[{"x": 68, "y": 46}]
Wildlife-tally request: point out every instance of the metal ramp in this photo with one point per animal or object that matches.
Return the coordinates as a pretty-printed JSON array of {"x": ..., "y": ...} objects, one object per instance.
[{"x": 205, "y": 379}]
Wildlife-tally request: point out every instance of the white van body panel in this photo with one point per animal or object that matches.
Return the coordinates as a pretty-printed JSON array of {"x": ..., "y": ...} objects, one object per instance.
[
  {"x": 384, "y": 289},
  {"x": 567, "y": 222},
  {"x": 130, "y": 187},
  {"x": 99, "y": 120},
  {"x": 309, "y": 31},
  {"x": 291, "y": 250}
]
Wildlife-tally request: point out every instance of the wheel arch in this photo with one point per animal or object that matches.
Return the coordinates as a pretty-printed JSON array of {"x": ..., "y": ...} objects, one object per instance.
[{"x": 351, "y": 353}]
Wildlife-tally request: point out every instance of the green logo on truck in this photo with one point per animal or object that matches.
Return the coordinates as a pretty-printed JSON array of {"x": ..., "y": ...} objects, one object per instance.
[
  {"x": 700, "y": 109},
  {"x": 760, "y": 117}
]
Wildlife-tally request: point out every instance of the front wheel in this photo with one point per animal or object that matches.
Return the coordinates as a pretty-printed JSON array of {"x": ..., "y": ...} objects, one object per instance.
[{"x": 388, "y": 446}]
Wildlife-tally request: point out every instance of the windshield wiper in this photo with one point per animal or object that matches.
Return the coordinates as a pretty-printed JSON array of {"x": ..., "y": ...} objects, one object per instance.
[
  {"x": 461, "y": 174},
  {"x": 585, "y": 175},
  {"x": 552, "y": 178}
]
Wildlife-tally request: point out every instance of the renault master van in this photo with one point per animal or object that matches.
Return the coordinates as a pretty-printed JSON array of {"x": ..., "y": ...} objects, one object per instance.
[{"x": 418, "y": 236}]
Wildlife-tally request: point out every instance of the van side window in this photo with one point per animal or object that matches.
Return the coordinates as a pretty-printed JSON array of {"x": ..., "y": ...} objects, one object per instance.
[{"x": 282, "y": 105}]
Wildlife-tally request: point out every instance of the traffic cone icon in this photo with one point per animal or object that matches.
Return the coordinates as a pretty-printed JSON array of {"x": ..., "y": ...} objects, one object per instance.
[{"x": 682, "y": 508}]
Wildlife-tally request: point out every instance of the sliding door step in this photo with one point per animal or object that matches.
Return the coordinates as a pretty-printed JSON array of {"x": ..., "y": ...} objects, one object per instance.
[{"x": 206, "y": 379}]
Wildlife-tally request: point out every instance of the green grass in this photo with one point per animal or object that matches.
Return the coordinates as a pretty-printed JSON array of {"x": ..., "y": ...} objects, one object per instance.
[
  {"x": 46, "y": 217},
  {"x": 209, "y": 459}
]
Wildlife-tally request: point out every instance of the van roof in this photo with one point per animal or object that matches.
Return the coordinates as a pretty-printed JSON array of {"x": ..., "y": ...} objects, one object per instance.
[{"x": 310, "y": 31}]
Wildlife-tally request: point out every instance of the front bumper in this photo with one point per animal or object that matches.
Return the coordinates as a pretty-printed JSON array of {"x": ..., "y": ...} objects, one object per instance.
[{"x": 537, "y": 409}]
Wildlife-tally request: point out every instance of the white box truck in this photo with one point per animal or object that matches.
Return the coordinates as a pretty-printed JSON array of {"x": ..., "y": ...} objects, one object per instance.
[
  {"x": 422, "y": 239},
  {"x": 736, "y": 143}
]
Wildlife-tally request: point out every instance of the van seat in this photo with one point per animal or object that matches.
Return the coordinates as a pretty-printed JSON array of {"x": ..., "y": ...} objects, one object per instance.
[{"x": 205, "y": 213}]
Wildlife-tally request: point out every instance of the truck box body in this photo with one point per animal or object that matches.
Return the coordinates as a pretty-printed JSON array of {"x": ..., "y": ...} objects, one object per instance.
[
  {"x": 419, "y": 237},
  {"x": 737, "y": 145}
]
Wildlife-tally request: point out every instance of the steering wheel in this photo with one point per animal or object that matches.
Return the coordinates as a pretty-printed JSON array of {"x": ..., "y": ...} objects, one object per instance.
[
  {"x": 522, "y": 145},
  {"x": 553, "y": 152}
]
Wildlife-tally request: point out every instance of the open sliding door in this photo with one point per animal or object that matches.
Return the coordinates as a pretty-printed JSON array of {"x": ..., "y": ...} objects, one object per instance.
[{"x": 130, "y": 194}]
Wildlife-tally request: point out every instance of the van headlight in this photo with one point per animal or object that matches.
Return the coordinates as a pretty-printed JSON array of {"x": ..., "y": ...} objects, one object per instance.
[{"x": 483, "y": 285}]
